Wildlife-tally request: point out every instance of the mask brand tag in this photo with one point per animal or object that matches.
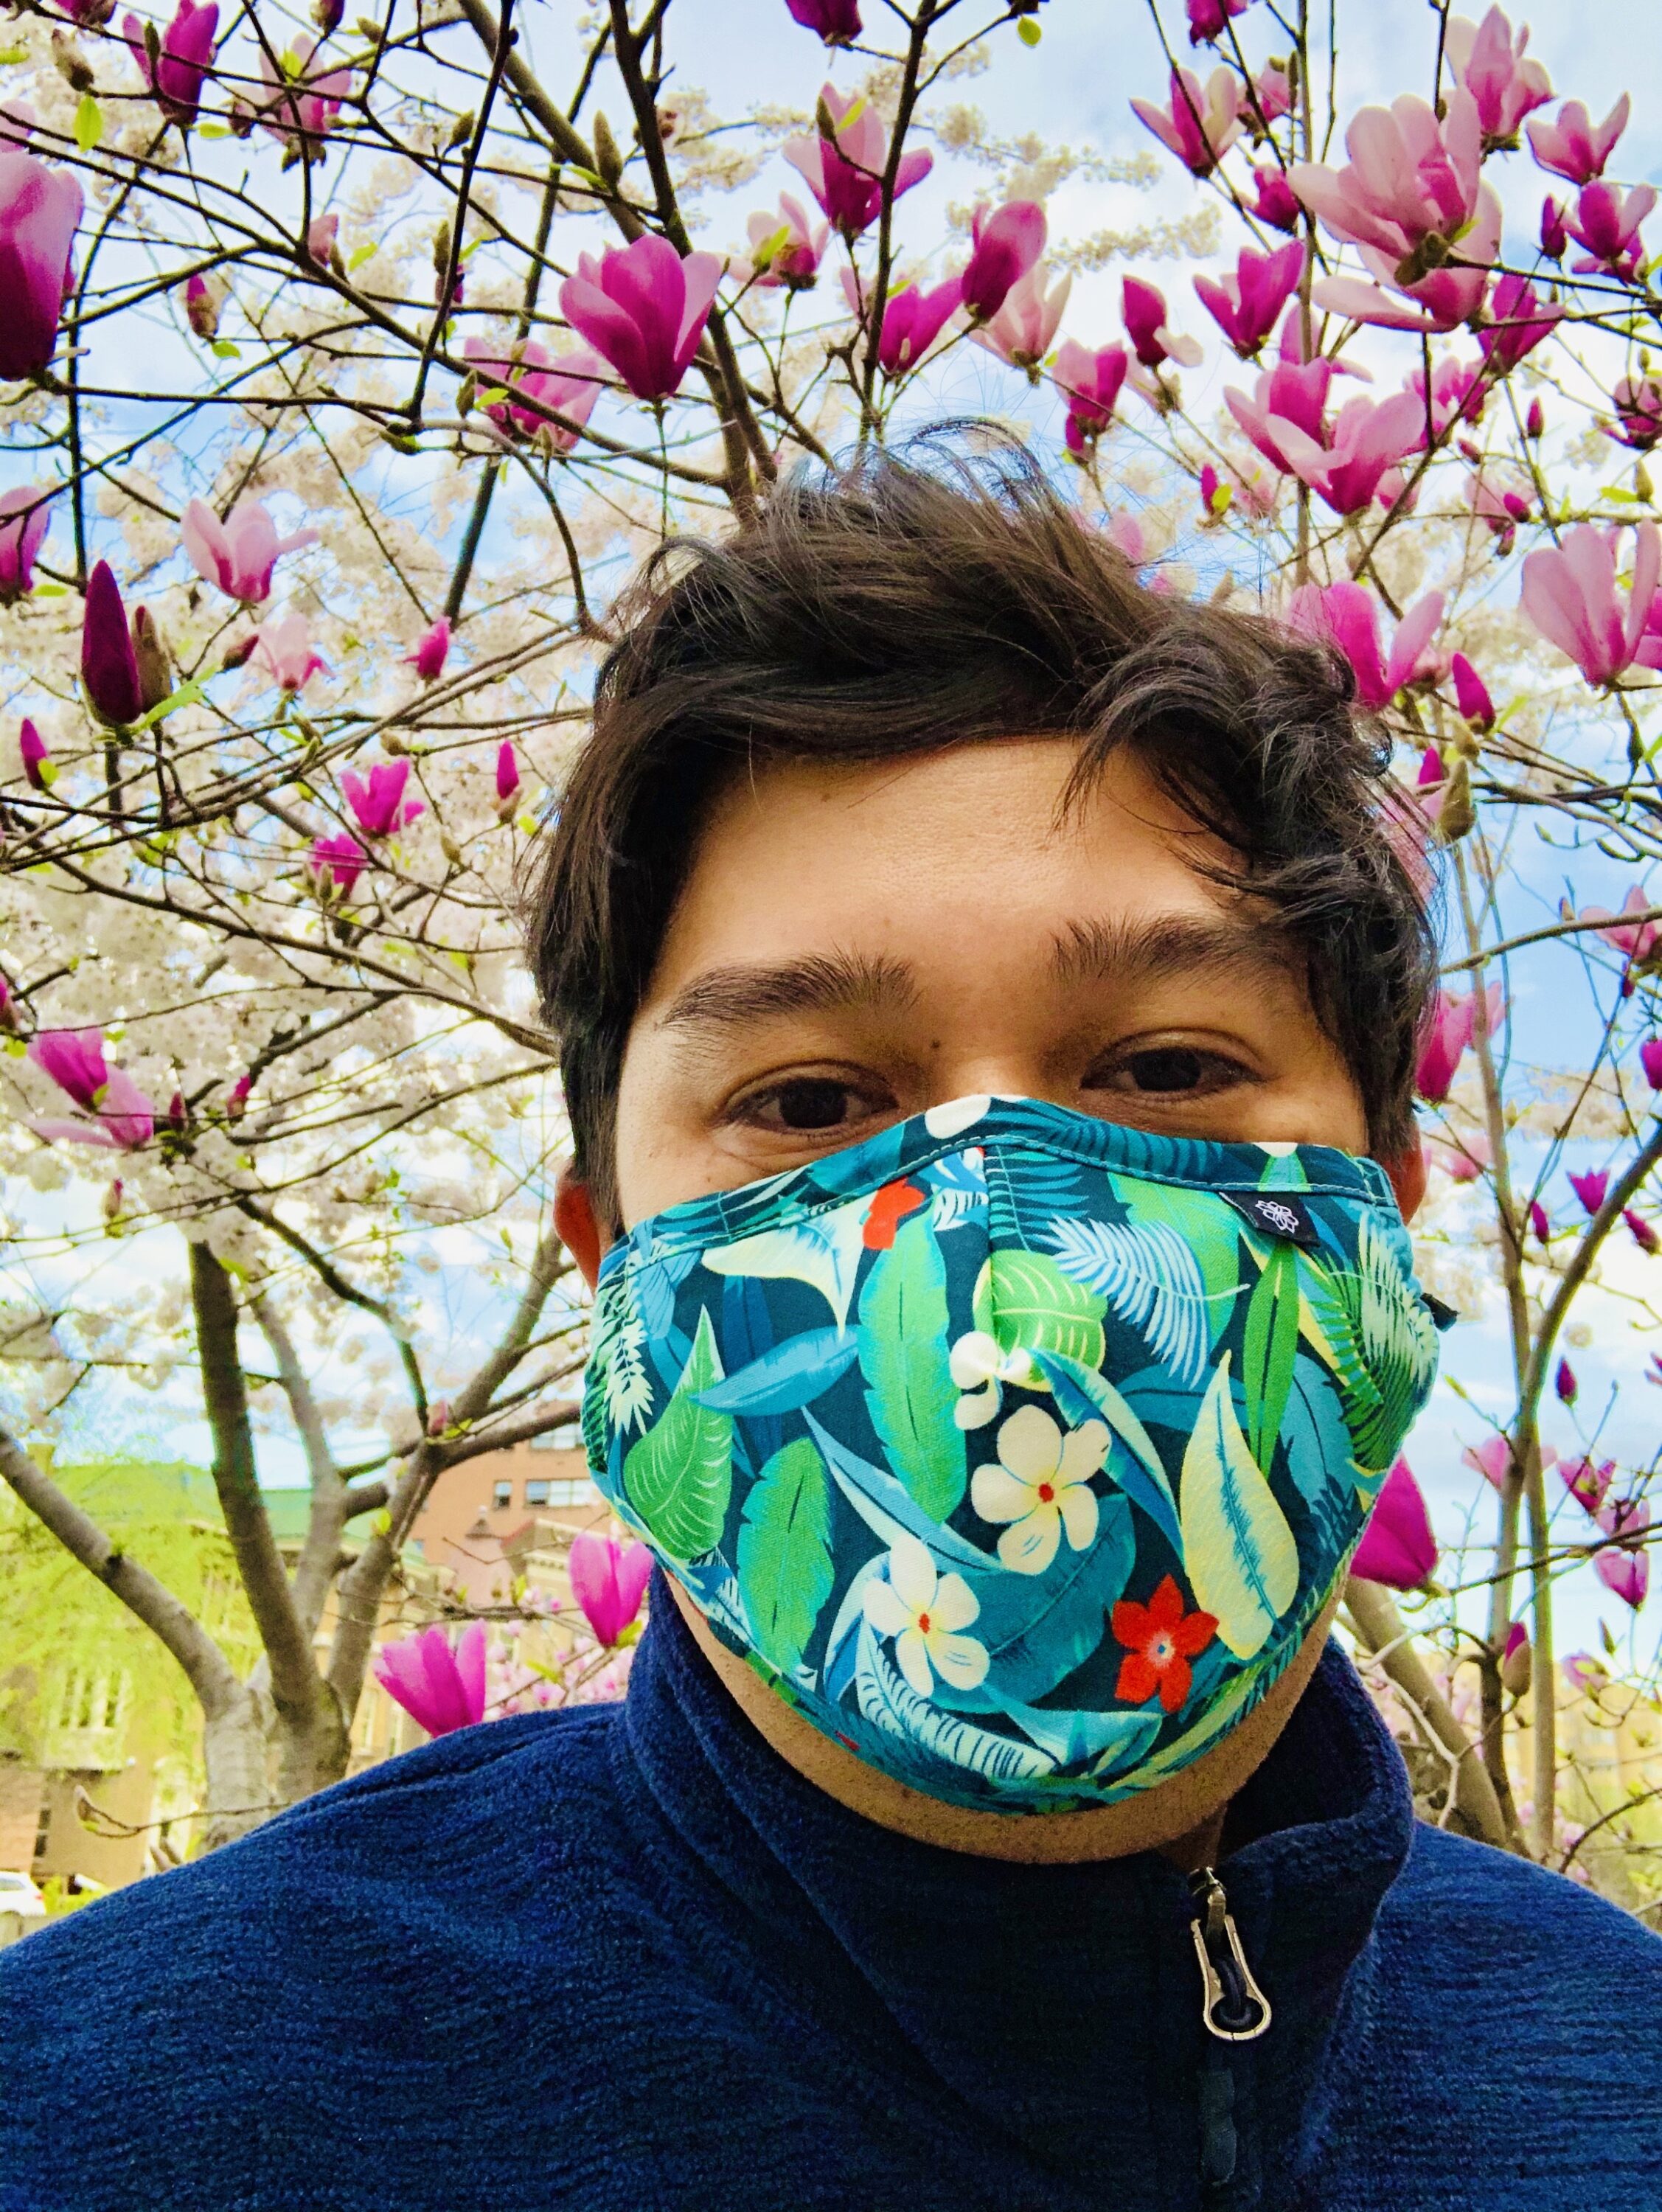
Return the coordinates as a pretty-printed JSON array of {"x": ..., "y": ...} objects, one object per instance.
[{"x": 1275, "y": 1213}]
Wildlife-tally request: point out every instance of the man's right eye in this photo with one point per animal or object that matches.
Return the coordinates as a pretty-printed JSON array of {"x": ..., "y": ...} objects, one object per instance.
[{"x": 813, "y": 1102}]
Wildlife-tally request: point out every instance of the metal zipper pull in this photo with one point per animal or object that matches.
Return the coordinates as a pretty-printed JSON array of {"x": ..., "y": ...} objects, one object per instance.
[{"x": 1234, "y": 2008}]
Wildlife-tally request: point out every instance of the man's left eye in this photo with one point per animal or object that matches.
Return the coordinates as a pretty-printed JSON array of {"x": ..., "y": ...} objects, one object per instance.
[{"x": 1167, "y": 1071}]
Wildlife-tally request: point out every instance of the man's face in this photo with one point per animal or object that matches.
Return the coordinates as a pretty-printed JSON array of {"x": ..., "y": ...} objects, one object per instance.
[{"x": 854, "y": 944}]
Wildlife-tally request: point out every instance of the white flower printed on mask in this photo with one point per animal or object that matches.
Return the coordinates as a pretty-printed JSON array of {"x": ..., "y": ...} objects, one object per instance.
[
  {"x": 980, "y": 1369},
  {"x": 923, "y": 1612},
  {"x": 1040, "y": 1487}
]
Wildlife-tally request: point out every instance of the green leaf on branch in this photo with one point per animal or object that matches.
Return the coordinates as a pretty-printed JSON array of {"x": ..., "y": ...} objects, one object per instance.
[
  {"x": 359, "y": 256},
  {"x": 186, "y": 696},
  {"x": 227, "y": 350},
  {"x": 88, "y": 123},
  {"x": 1028, "y": 31}
]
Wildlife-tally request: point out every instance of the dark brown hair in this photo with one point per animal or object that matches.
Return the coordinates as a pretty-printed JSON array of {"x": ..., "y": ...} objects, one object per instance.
[{"x": 893, "y": 606}]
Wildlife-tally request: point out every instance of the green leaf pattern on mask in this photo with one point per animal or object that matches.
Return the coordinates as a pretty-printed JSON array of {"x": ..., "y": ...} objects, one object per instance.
[
  {"x": 680, "y": 1475},
  {"x": 1238, "y": 1548},
  {"x": 910, "y": 1396},
  {"x": 784, "y": 1552},
  {"x": 1026, "y": 1304}
]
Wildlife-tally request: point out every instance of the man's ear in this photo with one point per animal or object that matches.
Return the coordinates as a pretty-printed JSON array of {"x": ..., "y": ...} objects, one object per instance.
[
  {"x": 574, "y": 1217},
  {"x": 1407, "y": 1171}
]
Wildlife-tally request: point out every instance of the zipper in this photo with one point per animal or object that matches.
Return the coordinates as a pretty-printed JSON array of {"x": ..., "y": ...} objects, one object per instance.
[{"x": 1234, "y": 2008}]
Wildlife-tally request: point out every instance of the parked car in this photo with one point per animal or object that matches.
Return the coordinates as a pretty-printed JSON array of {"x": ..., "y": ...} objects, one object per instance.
[{"x": 20, "y": 1906}]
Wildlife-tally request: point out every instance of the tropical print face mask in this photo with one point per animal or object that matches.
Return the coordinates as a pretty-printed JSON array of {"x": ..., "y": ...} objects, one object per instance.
[{"x": 1019, "y": 1451}]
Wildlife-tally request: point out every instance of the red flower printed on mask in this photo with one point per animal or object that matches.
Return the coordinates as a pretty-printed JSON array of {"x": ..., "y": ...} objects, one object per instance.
[
  {"x": 1160, "y": 1639},
  {"x": 888, "y": 1208}
]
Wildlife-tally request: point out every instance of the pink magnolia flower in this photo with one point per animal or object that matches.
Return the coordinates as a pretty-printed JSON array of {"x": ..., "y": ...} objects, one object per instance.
[
  {"x": 643, "y": 309},
  {"x": 38, "y": 769},
  {"x": 1575, "y": 147},
  {"x": 1471, "y": 694},
  {"x": 1207, "y": 18},
  {"x": 1090, "y": 382},
  {"x": 786, "y": 248},
  {"x": 1462, "y": 1162},
  {"x": 1624, "y": 1568},
  {"x": 322, "y": 238},
  {"x": 1492, "y": 1459},
  {"x": 1346, "y": 617},
  {"x": 540, "y": 388},
  {"x": 379, "y": 805},
  {"x": 1295, "y": 393},
  {"x": 1586, "y": 1481},
  {"x": 1022, "y": 331},
  {"x": 238, "y": 554},
  {"x": 1275, "y": 89},
  {"x": 1606, "y": 222},
  {"x": 1641, "y": 1231},
  {"x": 1442, "y": 1044},
  {"x": 1255, "y": 496},
  {"x": 440, "y": 1689},
  {"x": 1246, "y": 305},
  {"x": 335, "y": 864},
  {"x": 844, "y": 168},
  {"x": 1354, "y": 459},
  {"x": 1274, "y": 201},
  {"x": 1488, "y": 61},
  {"x": 1585, "y": 1675},
  {"x": 432, "y": 650},
  {"x": 1590, "y": 1188},
  {"x": 74, "y": 1058},
  {"x": 22, "y": 527},
  {"x": 1142, "y": 309},
  {"x": 186, "y": 51},
  {"x": 913, "y": 320},
  {"x": 109, "y": 665},
  {"x": 1411, "y": 181},
  {"x": 1500, "y": 498},
  {"x": 283, "y": 648},
  {"x": 1518, "y": 320},
  {"x": 1539, "y": 1221},
  {"x": 1638, "y": 401},
  {"x": 1534, "y": 423},
  {"x": 1199, "y": 127},
  {"x": 1457, "y": 392},
  {"x": 1569, "y": 594},
  {"x": 1565, "y": 1384},
  {"x": 1005, "y": 247},
  {"x": 1555, "y": 239},
  {"x": 1516, "y": 1660},
  {"x": 507, "y": 779},
  {"x": 837, "y": 21},
  {"x": 1398, "y": 1547},
  {"x": 1650, "y": 1059},
  {"x": 609, "y": 1580},
  {"x": 300, "y": 105},
  {"x": 202, "y": 306},
  {"x": 1637, "y": 939},
  {"x": 40, "y": 209}
]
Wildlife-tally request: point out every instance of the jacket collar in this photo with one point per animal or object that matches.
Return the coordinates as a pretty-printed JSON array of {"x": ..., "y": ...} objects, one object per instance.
[{"x": 1060, "y": 2002}]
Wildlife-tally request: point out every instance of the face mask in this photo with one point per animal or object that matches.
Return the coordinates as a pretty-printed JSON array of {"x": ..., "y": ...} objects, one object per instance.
[{"x": 1017, "y": 1450}]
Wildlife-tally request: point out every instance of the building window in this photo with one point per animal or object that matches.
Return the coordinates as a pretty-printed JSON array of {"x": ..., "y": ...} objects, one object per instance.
[
  {"x": 502, "y": 1496},
  {"x": 536, "y": 1494},
  {"x": 568, "y": 1437},
  {"x": 571, "y": 1490}
]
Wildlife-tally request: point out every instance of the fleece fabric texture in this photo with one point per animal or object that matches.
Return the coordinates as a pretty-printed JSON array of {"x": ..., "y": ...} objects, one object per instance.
[{"x": 625, "y": 1959}]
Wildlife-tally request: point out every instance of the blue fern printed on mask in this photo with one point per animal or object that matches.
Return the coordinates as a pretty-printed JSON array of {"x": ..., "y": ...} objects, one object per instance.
[{"x": 1010, "y": 1450}]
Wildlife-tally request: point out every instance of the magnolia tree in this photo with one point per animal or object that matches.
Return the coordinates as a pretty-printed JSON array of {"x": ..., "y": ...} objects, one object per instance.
[{"x": 349, "y": 367}]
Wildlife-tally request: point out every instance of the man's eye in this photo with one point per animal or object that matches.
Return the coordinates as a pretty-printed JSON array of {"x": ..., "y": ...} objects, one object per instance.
[
  {"x": 1167, "y": 1071},
  {"x": 806, "y": 1102}
]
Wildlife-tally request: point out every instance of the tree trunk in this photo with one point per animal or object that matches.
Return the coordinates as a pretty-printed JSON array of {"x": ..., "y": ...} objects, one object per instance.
[{"x": 238, "y": 1795}]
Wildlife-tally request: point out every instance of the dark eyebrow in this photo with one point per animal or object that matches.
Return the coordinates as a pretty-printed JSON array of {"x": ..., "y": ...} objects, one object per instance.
[
  {"x": 1155, "y": 948},
  {"x": 818, "y": 983}
]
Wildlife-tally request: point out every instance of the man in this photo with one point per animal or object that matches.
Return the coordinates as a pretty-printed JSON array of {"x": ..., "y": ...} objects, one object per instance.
[{"x": 985, "y": 989}]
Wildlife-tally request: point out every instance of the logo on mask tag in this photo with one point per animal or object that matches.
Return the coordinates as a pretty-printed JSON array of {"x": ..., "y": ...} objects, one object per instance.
[{"x": 1275, "y": 1213}]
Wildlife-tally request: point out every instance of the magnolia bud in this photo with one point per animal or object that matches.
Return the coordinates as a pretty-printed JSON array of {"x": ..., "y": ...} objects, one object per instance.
[
  {"x": 155, "y": 681},
  {"x": 236, "y": 655},
  {"x": 72, "y": 64},
  {"x": 451, "y": 850},
  {"x": 202, "y": 302},
  {"x": 1518, "y": 1664},
  {"x": 438, "y": 1417},
  {"x": 113, "y": 1201},
  {"x": 460, "y": 131},
  {"x": 608, "y": 161},
  {"x": 1457, "y": 814},
  {"x": 441, "y": 249}
]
